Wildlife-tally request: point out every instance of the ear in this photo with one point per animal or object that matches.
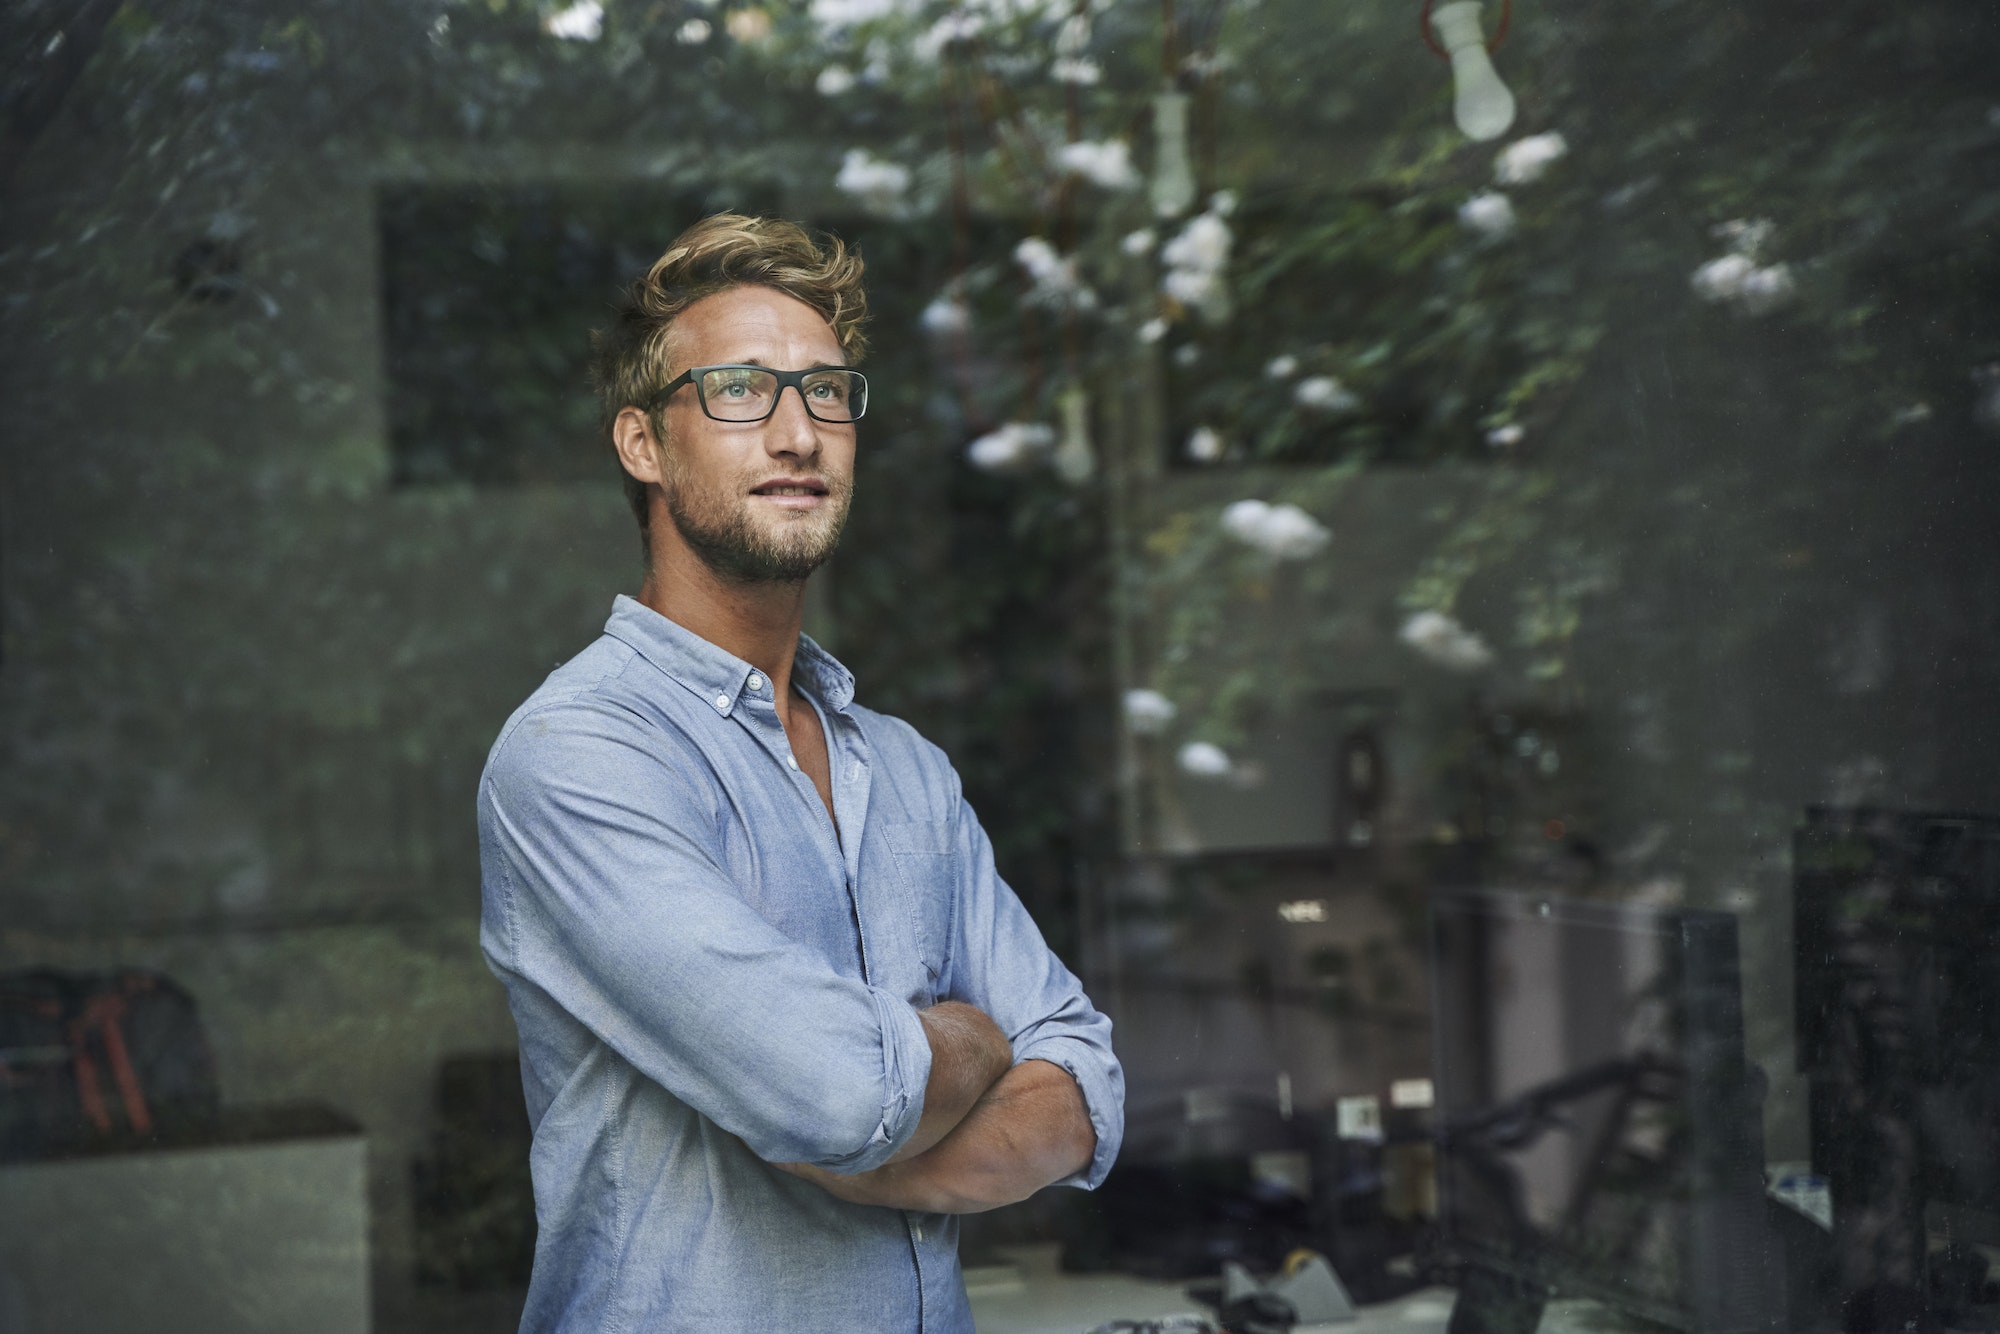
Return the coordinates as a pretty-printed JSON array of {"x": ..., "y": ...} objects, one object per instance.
[{"x": 638, "y": 448}]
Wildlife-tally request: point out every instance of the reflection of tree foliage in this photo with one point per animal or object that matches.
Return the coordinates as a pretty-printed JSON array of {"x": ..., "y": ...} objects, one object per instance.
[
  {"x": 1860, "y": 130},
  {"x": 1447, "y": 336}
]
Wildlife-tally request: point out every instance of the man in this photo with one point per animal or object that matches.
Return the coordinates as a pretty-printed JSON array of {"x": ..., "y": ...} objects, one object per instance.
[{"x": 780, "y": 1020}]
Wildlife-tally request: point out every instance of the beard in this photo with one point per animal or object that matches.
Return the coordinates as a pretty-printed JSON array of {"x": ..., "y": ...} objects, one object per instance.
[{"x": 719, "y": 528}]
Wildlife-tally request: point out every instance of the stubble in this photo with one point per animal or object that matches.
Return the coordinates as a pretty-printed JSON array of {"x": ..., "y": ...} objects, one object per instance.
[{"x": 719, "y": 528}]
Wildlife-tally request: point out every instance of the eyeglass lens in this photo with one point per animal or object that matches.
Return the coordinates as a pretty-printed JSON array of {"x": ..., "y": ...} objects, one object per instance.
[{"x": 748, "y": 393}]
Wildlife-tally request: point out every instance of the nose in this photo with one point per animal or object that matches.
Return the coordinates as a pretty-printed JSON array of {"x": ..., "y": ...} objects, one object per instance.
[{"x": 790, "y": 428}]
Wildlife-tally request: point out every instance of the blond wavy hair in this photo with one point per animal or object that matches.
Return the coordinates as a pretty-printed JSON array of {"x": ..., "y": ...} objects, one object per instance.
[{"x": 634, "y": 356}]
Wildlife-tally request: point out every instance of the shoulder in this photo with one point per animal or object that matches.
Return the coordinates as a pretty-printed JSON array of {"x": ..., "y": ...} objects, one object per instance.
[{"x": 598, "y": 717}]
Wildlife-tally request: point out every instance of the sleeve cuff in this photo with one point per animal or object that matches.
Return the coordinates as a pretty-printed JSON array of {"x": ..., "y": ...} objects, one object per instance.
[
  {"x": 1103, "y": 1086},
  {"x": 906, "y": 1070}
]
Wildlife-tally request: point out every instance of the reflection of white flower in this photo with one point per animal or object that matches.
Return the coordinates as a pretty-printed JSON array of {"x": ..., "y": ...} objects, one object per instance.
[
  {"x": 581, "y": 22},
  {"x": 1765, "y": 289},
  {"x": 1153, "y": 330},
  {"x": 951, "y": 28},
  {"x": 1323, "y": 393},
  {"x": 1721, "y": 279},
  {"x": 1282, "y": 532},
  {"x": 1282, "y": 367},
  {"x": 1107, "y": 163},
  {"x": 1204, "y": 759},
  {"x": 1204, "y": 444},
  {"x": 1202, "y": 244},
  {"x": 1528, "y": 159},
  {"x": 1147, "y": 712},
  {"x": 1073, "y": 37},
  {"x": 1082, "y": 73},
  {"x": 877, "y": 183},
  {"x": 1053, "y": 275},
  {"x": 1191, "y": 287},
  {"x": 1139, "y": 242},
  {"x": 1489, "y": 213},
  {"x": 1739, "y": 278},
  {"x": 1012, "y": 446},
  {"x": 1195, "y": 261},
  {"x": 1445, "y": 642},
  {"x": 834, "y": 80},
  {"x": 945, "y": 315},
  {"x": 1506, "y": 437},
  {"x": 1040, "y": 259},
  {"x": 693, "y": 33}
]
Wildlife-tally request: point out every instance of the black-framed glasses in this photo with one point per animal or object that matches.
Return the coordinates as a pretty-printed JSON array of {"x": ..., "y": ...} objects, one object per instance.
[{"x": 750, "y": 393}]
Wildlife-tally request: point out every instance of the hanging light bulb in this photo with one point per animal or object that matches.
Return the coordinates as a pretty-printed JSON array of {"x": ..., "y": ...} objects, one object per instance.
[
  {"x": 1075, "y": 460},
  {"x": 1482, "y": 106},
  {"x": 1172, "y": 189}
]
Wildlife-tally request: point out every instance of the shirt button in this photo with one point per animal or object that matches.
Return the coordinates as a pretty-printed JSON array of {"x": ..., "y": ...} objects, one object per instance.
[
  {"x": 756, "y": 681},
  {"x": 722, "y": 701},
  {"x": 792, "y": 761},
  {"x": 919, "y": 1228}
]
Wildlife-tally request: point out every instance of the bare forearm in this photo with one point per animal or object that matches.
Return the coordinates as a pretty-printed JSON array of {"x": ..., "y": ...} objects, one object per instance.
[
  {"x": 969, "y": 1054},
  {"x": 1029, "y": 1130}
]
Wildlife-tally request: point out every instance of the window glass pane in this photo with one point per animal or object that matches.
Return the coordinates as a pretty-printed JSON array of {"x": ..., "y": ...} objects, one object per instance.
[{"x": 1325, "y": 469}]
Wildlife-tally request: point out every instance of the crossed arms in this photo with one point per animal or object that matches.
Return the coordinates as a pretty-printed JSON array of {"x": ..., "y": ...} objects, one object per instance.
[
  {"x": 611, "y": 910},
  {"x": 992, "y": 1132}
]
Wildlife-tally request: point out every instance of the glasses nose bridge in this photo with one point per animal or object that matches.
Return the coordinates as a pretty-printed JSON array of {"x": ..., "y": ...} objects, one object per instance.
[
  {"x": 796, "y": 381},
  {"x": 778, "y": 398}
]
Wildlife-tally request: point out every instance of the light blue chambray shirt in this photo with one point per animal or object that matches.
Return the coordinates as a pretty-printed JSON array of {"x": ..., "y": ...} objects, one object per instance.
[{"x": 708, "y": 980}]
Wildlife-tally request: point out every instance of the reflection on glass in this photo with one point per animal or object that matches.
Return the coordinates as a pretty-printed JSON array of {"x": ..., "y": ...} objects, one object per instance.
[{"x": 1597, "y": 1128}]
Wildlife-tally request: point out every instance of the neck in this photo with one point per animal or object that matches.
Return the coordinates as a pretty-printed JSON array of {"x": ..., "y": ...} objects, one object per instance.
[{"x": 759, "y": 623}]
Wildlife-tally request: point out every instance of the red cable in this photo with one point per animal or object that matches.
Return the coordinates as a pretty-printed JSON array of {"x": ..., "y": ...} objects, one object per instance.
[
  {"x": 103, "y": 1013},
  {"x": 110, "y": 1009}
]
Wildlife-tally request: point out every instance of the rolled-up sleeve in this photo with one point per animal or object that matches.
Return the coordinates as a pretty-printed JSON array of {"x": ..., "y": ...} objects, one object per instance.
[
  {"x": 1000, "y": 963},
  {"x": 607, "y": 890}
]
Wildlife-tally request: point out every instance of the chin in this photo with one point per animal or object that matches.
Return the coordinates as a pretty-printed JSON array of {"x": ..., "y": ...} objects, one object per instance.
[{"x": 802, "y": 533}]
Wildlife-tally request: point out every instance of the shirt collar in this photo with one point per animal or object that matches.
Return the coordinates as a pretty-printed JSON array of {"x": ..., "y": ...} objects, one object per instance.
[{"x": 715, "y": 676}]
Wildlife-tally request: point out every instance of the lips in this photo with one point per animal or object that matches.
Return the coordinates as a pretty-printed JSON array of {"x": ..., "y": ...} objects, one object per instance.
[{"x": 793, "y": 493}]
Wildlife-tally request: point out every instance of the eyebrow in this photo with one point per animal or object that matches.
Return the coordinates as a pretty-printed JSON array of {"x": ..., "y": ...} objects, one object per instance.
[{"x": 816, "y": 366}]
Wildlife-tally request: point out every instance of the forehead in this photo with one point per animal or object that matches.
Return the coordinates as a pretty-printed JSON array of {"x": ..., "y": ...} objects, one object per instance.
[{"x": 757, "y": 324}]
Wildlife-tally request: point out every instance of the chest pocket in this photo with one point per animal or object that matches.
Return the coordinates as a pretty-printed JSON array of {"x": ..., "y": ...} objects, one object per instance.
[{"x": 926, "y": 869}]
